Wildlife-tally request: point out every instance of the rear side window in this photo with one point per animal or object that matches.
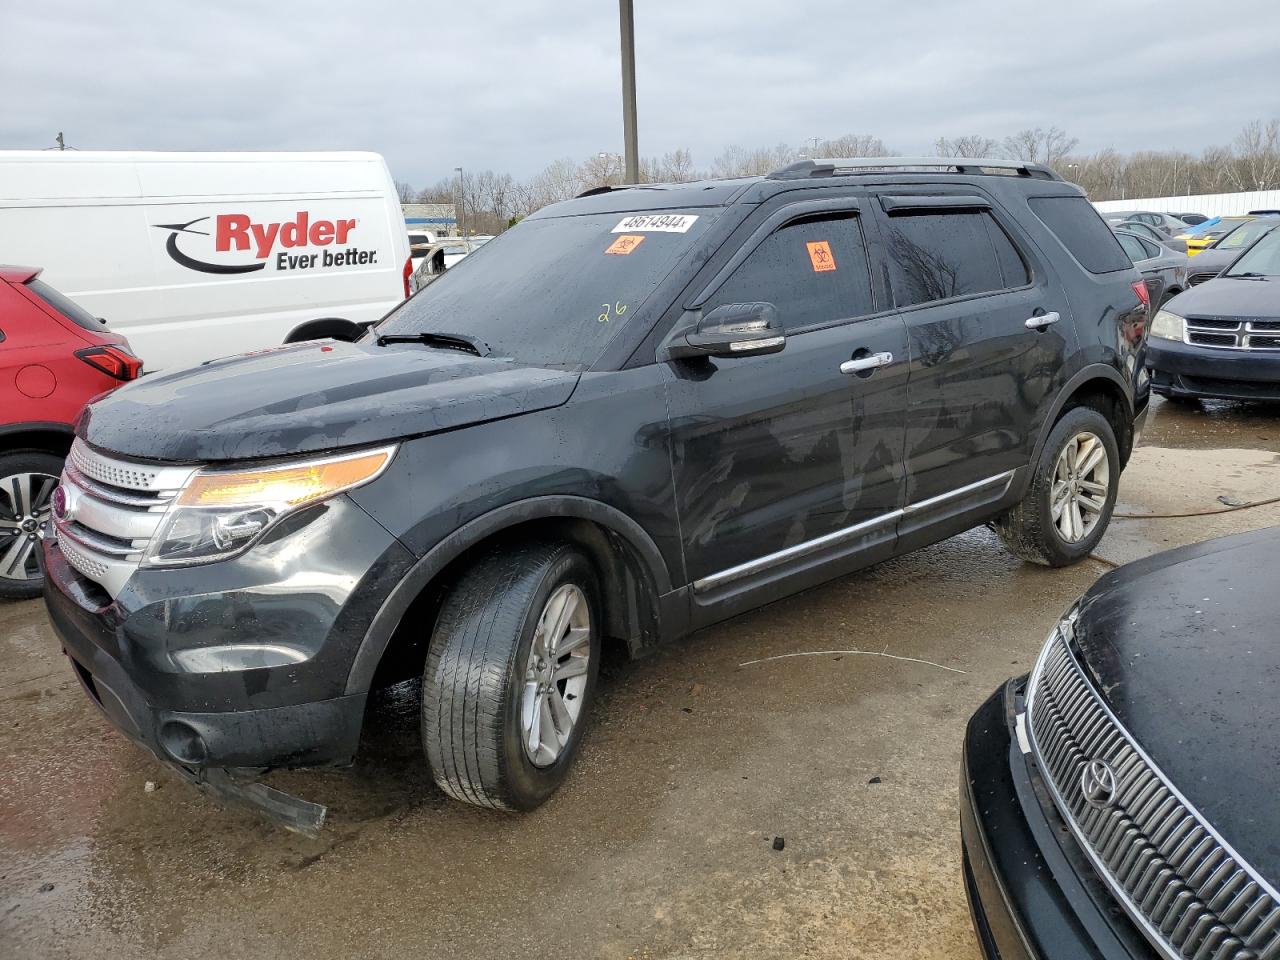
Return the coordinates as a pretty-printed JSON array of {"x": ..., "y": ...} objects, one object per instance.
[
  {"x": 1076, "y": 223},
  {"x": 813, "y": 270},
  {"x": 65, "y": 305},
  {"x": 938, "y": 256},
  {"x": 1132, "y": 246}
]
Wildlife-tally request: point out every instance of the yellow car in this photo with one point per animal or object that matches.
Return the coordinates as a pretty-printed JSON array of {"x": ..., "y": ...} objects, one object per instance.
[{"x": 1200, "y": 239}]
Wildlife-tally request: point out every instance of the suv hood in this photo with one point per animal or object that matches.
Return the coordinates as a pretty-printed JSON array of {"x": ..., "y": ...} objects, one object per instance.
[
  {"x": 1183, "y": 648},
  {"x": 314, "y": 396},
  {"x": 1228, "y": 297}
]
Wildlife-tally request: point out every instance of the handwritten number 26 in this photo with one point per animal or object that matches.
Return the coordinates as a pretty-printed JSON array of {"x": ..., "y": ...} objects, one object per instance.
[{"x": 611, "y": 311}]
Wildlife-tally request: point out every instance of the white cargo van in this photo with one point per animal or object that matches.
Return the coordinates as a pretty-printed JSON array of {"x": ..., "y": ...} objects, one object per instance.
[{"x": 200, "y": 255}]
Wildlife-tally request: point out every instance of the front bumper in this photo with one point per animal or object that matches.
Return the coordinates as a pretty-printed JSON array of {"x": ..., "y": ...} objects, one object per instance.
[
  {"x": 235, "y": 666},
  {"x": 1032, "y": 893},
  {"x": 1185, "y": 370}
]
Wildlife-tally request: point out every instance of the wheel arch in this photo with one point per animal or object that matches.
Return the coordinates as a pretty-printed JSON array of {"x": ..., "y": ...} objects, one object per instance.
[
  {"x": 635, "y": 577},
  {"x": 52, "y": 438},
  {"x": 1102, "y": 387}
]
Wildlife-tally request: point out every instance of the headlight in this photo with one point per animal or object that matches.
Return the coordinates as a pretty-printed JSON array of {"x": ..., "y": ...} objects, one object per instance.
[
  {"x": 221, "y": 512},
  {"x": 1168, "y": 326}
]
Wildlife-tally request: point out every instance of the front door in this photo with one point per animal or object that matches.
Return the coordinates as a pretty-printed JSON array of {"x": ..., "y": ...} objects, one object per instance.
[{"x": 784, "y": 461}]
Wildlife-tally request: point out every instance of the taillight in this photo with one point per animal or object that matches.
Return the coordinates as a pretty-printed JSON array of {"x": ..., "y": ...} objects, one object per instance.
[
  {"x": 113, "y": 361},
  {"x": 408, "y": 272},
  {"x": 1144, "y": 293}
]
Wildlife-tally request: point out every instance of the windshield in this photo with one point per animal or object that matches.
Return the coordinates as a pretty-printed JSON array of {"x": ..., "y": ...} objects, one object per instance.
[
  {"x": 1245, "y": 234},
  {"x": 1261, "y": 260},
  {"x": 1222, "y": 226},
  {"x": 553, "y": 292}
]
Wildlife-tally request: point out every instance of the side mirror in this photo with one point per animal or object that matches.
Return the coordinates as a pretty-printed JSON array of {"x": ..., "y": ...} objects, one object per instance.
[{"x": 730, "y": 330}]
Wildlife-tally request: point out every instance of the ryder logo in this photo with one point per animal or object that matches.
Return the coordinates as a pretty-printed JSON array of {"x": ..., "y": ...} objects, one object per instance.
[{"x": 288, "y": 245}]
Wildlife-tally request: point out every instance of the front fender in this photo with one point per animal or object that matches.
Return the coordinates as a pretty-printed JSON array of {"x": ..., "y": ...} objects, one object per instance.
[{"x": 388, "y": 617}]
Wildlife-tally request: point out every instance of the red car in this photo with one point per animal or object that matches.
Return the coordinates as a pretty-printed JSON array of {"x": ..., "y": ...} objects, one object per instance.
[{"x": 54, "y": 358}]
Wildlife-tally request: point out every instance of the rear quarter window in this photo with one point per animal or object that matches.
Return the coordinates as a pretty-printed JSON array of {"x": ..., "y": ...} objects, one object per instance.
[
  {"x": 65, "y": 305},
  {"x": 1075, "y": 222}
]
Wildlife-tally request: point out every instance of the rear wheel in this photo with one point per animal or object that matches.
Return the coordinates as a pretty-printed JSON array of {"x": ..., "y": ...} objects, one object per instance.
[
  {"x": 27, "y": 482},
  {"x": 1073, "y": 491},
  {"x": 510, "y": 675}
]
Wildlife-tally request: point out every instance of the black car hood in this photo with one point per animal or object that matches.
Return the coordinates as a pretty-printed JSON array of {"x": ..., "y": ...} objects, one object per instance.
[
  {"x": 314, "y": 396},
  {"x": 1184, "y": 648},
  {"x": 1228, "y": 297},
  {"x": 1212, "y": 260}
]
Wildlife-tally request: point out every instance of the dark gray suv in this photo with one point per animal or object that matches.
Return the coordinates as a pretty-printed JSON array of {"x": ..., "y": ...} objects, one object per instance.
[{"x": 635, "y": 414}]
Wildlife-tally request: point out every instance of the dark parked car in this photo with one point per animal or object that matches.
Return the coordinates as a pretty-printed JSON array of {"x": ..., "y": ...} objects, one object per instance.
[
  {"x": 1194, "y": 219},
  {"x": 643, "y": 411},
  {"x": 1167, "y": 224},
  {"x": 1165, "y": 270},
  {"x": 1219, "y": 255},
  {"x": 1121, "y": 801},
  {"x": 1151, "y": 233},
  {"x": 1222, "y": 338}
]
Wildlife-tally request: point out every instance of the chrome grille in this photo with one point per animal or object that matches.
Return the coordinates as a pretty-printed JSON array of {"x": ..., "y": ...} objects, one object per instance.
[
  {"x": 1233, "y": 334},
  {"x": 113, "y": 508},
  {"x": 1192, "y": 895},
  {"x": 1194, "y": 279}
]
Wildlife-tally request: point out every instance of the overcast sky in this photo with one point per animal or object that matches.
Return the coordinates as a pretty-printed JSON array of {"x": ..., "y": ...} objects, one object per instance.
[{"x": 513, "y": 84}]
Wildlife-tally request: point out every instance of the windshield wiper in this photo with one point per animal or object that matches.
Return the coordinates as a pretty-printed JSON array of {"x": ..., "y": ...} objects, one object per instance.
[
  {"x": 1250, "y": 275},
  {"x": 446, "y": 341}
]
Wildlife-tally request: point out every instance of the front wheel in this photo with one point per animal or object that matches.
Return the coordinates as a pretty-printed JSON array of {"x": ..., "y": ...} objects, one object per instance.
[
  {"x": 1069, "y": 502},
  {"x": 27, "y": 482},
  {"x": 510, "y": 675}
]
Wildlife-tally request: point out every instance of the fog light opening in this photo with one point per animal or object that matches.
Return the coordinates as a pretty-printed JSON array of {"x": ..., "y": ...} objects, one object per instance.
[{"x": 184, "y": 743}]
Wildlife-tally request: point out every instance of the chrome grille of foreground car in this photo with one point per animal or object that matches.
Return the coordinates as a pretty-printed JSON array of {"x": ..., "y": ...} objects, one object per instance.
[
  {"x": 110, "y": 509},
  {"x": 1233, "y": 334},
  {"x": 1192, "y": 895}
]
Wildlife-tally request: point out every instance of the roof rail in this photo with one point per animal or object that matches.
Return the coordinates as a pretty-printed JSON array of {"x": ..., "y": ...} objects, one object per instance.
[{"x": 843, "y": 166}]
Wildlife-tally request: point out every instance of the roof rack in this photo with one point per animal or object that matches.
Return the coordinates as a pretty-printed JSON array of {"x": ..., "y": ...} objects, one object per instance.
[{"x": 844, "y": 166}]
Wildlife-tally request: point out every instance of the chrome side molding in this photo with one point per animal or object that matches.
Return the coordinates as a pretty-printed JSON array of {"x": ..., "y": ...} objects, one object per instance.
[{"x": 837, "y": 537}]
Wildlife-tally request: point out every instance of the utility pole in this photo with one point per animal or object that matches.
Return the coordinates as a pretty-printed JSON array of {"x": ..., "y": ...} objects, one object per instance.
[
  {"x": 626, "y": 25},
  {"x": 462, "y": 202}
]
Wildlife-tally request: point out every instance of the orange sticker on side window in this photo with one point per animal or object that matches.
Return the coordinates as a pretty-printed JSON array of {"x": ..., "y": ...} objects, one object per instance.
[
  {"x": 625, "y": 244},
  {"x": 820, "y": 256}
]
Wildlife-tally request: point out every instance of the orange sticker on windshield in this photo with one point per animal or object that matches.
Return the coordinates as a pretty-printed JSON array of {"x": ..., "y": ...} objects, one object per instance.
[
  {"x": 625, "y": 244},
  {"x": 820, "y": 256}
]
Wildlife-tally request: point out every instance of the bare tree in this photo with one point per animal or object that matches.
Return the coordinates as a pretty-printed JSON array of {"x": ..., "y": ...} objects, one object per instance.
[
  {"x": 738, "y": 161},
  {"x": 1049, "y": 147},
  {"x": 1257, "y": 156},
  {"x": 972, "y": 145},
  {"x": 853, "y": 145},
  {"x": 405, "y": 192},
  {"x": 674, "y": 167}
]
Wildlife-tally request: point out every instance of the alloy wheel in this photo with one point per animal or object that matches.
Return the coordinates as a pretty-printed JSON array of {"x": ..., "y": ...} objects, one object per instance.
[
  {"x": 25, "y": 513},
  {"x": 555, "y": 675},
  {"x": 1081, "y": 485}
]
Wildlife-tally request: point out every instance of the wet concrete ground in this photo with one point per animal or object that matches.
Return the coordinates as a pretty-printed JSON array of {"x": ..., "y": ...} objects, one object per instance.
[{"x": 660, "y": 844}]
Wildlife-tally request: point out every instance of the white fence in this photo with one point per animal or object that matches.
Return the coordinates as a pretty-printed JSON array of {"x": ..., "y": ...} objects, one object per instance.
[{"x": 1210, "y": 204}]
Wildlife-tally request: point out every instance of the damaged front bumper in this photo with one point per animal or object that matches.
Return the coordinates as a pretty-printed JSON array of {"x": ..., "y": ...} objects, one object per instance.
[{"x": 218, "y": 730}]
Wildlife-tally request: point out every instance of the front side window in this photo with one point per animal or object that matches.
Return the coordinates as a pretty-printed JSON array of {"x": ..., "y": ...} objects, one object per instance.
[
  {"x": 937, "y": 255},
  {"x": 814, "y": 270}
]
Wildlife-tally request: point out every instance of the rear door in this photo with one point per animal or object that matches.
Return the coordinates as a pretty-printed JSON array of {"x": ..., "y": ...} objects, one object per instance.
[
  {"x": 783, "y": 462},
  {"x": 988, "y": 325}
]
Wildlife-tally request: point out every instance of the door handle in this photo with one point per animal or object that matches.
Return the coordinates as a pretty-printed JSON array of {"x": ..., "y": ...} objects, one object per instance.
[
  {"x": 1042, "y": 320},
  {"x": 870, "y": 362}
]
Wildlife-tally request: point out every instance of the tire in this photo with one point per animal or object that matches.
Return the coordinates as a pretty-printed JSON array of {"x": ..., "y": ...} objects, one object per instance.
[
  {"x": 27, "y": 481},
  {"x": 482, "y": 680},
  {"x": 1030, "y": 530}
]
